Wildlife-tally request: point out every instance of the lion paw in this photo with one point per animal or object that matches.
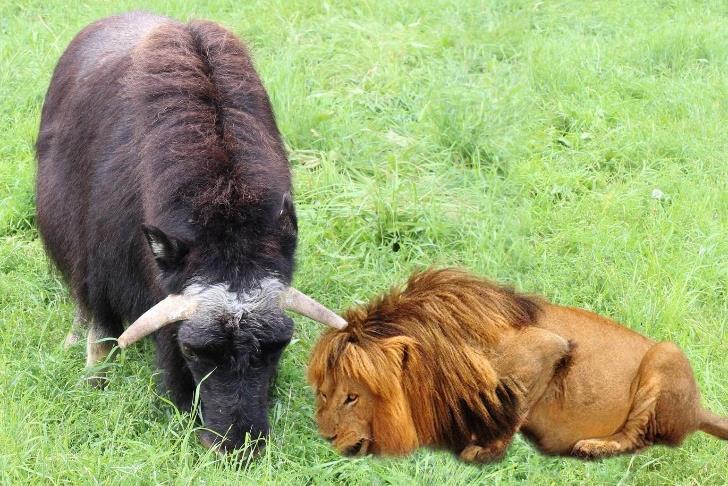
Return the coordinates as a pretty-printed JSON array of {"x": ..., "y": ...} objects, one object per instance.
[
  {"x": 595, "y": 448},
  {"x": 481, "y": 454}
]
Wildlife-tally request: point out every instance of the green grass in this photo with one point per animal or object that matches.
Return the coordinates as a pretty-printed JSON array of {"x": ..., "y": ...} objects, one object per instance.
[{"x": 577, "y": 149}]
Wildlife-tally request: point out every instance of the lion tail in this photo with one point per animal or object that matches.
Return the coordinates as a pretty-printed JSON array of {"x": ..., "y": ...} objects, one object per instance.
[{"x": 713, "y": 424}]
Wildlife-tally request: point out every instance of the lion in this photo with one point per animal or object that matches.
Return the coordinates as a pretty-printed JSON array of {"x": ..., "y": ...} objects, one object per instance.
[{"x": 457, "y": 362}]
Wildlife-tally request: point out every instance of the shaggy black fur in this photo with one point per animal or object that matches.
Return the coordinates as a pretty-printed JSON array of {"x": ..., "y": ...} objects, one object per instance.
[{"x": 155, "y": 127}]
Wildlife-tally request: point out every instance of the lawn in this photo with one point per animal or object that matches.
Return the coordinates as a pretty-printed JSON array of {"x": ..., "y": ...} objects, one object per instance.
[{"x": 571, "y": 148}]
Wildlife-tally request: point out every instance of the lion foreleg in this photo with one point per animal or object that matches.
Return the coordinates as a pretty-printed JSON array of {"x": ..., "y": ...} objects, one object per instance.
[
  {"x": 528, "y": 360},
  {"x": 531, "y": 359}
]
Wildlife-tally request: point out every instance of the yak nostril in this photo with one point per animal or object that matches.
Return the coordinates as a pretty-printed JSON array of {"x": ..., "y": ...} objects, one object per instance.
[
  {"x": 330, "y": 438},
  {"x": 224, "y": 446},
  {"x": 209, "y": 441}
]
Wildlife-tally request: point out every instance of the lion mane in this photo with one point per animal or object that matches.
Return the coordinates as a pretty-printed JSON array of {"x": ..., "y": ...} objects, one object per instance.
[{"x": 421, "y": 351}]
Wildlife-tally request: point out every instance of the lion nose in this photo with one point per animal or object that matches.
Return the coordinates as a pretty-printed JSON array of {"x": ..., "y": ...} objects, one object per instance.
[{"x": 355, "y": 449}]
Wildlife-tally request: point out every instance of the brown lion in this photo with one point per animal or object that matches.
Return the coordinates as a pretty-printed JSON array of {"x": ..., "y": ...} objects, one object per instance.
[{"x": 458, "y": 362}]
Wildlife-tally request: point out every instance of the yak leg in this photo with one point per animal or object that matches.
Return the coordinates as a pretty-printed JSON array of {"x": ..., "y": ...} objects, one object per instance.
[
  {"x": 80, "y": 322},
  {"x": 176, "y": 376},
  {"x": 96, "y": 351},
  {"x": 99, "y": 348},
  {"x": 665, "y": 407},
  {"x": 529, "y": 360}
]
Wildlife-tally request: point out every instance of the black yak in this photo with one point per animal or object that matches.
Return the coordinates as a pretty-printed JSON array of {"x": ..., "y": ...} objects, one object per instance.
[{"x": 164, "y": 199}]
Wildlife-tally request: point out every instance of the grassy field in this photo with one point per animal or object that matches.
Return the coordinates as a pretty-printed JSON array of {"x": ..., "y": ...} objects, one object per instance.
[{"x": 576, "y": 149}]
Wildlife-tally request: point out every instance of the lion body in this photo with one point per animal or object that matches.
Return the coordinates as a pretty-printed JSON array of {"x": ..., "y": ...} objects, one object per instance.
[{"x": 458, "y": 362}]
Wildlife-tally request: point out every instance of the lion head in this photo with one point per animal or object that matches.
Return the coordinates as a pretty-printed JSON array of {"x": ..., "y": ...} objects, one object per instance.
[
  {"x": 410, "y": 369},
  {"x": 360, "y": 404},
  {"x": 344, "y": 412}
]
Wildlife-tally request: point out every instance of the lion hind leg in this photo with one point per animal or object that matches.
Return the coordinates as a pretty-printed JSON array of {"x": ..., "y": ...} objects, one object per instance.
[
  {"x": 665, "y": 407},
  {"x": 631, "y": 437}
]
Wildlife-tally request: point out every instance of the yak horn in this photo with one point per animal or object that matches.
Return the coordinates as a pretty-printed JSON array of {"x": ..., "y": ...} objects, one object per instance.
[
  {"x": 173, "y": 308},
  {"x": 301, "y": 303}
]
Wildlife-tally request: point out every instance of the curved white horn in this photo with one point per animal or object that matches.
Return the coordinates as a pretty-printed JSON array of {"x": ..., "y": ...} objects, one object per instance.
[
  {"x": 302, "y": 304},
  {"x": 173, "y": 308}
]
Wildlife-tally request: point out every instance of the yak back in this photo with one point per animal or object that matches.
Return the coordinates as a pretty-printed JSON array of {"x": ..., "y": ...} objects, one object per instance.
[{"x": 148, "y": 120}]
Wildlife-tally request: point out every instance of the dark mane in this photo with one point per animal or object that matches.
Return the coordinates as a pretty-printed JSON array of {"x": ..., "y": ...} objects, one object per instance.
[
  {"x": 454, "y": 301},
  {"x": 447, "y": 316}
]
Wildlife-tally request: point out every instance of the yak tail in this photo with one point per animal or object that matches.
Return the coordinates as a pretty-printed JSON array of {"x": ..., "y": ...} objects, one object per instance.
[{"x": 713, "y": 424}]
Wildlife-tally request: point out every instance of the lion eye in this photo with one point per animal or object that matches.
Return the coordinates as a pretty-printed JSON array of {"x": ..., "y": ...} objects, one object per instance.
[{"x": 351, "y": 398}]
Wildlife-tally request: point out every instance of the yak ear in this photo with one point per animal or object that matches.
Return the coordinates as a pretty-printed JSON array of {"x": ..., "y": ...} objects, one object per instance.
[
  {"x": 168, "y": 251},
  {"x": 287, "y": 214}
]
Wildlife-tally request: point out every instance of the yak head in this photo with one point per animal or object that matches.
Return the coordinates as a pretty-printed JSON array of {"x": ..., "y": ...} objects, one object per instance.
[
  {"x": 231, "y": 343},
  {"x": 224, "y": 310}
]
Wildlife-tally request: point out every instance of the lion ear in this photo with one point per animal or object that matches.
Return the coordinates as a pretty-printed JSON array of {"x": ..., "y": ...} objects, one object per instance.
[{"x": 402, "y": 350}]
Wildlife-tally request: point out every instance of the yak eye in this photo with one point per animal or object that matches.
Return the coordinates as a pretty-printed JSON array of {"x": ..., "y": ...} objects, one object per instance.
[
  {"x": 187, "y": 351},
  {"x": 323, "y": 396},
  {"x": 351, "y": 398},
  {"x": 255, "y": 361}
]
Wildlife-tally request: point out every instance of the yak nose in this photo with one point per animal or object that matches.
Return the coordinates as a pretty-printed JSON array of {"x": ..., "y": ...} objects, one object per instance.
[
  {"x": 208, "y": 440},
  {"x": 330, "y": 438},
  {"x": 225, "y": 446}
]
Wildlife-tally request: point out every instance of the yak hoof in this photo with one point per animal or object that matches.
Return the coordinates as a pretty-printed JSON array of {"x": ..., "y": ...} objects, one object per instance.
[
  {"x": 72, "y": 339},
  {"x": 98, "y": 380}
]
